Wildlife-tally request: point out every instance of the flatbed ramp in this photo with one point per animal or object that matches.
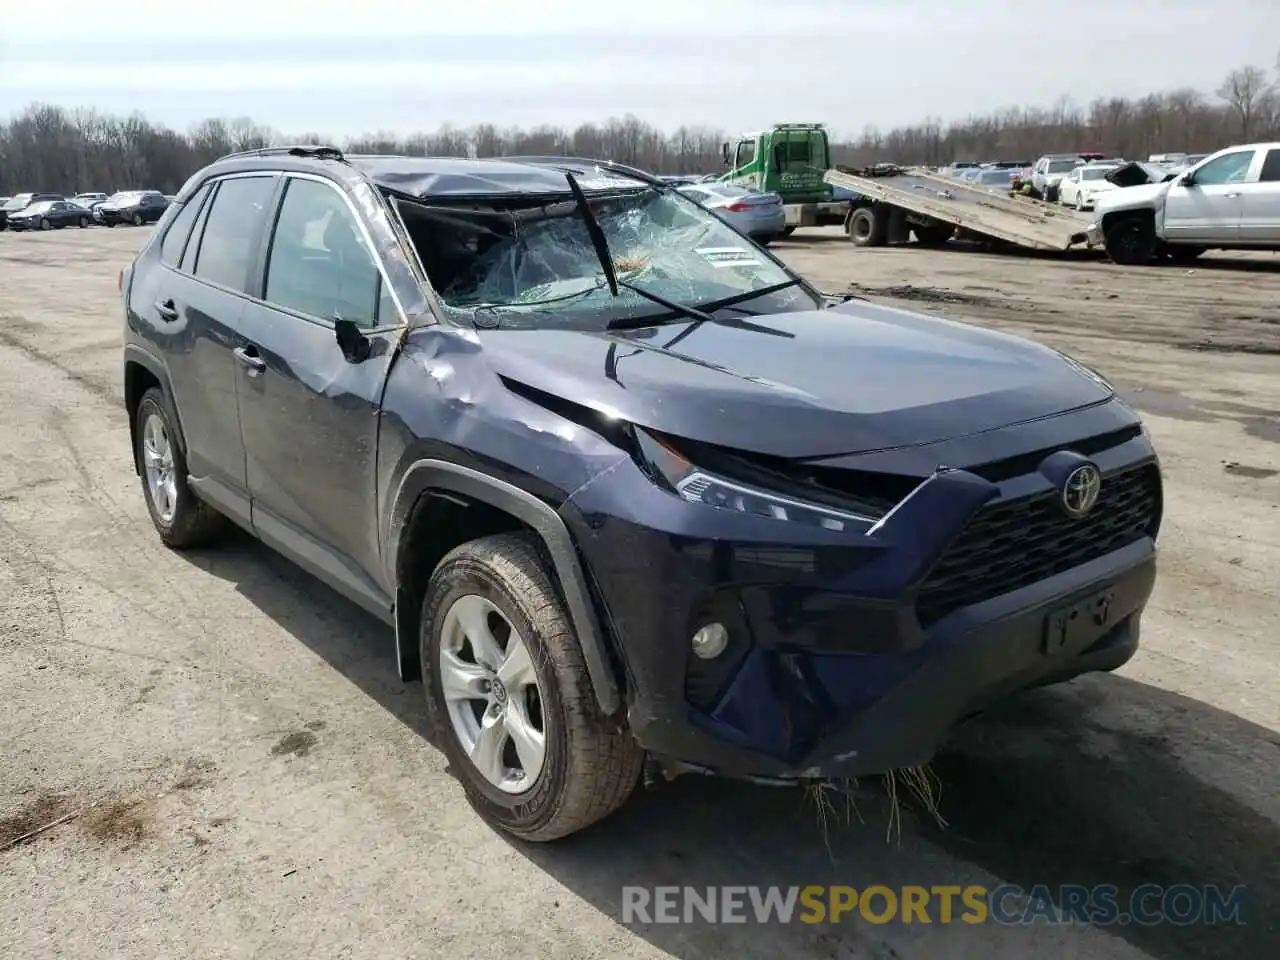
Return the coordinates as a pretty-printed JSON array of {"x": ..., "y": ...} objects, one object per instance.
[{"x": 978, "y": 210}]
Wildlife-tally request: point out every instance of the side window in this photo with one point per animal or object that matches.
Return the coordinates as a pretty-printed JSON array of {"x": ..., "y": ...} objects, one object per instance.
[
  {"x": 388, "y": 315},
  {"x": 175, "y": 238},
  {"x": 1271, "y": 167},
  {"x": 1228, "y": 168},
  {"x": 227, "y": 244},
  {"x": 319, "y": 263},
  {"x": 746, "y": 153},
  {"x": 695, "y": 195}
]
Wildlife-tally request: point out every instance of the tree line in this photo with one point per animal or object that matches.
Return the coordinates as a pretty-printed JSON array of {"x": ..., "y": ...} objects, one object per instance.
[{"x": 53, "y": 148}]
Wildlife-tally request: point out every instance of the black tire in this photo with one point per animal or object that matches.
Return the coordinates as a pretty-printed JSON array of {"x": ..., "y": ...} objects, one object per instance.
[
  {"x": 1183, "y": 255},
  {"x": 84, "y": 222},
  {"x": 788, "y": 231},
  {"x": 194, "y": 523},
  {"x": 1050, "y": 194},
  {"x": 867, "y": 228},
  {"x": 590, "y": 768},
  {"x": 45, "y": 224},
  {"x": 137, "y": 219},
  {"x": 1131, "y": 241}
]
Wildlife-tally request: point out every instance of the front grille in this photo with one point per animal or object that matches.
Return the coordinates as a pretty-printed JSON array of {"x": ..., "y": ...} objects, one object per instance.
[{"x": 1012, "y": 545}]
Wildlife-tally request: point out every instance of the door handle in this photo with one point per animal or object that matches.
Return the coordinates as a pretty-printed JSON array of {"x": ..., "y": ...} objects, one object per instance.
[
  {"x": 167, "y": 309},
  {"x": 1230, "y": 196},
  {"x": 250, "y": 358}
]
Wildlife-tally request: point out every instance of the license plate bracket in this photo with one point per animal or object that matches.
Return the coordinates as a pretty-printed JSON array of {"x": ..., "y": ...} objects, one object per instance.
[{"x": 1079, "y": 624}]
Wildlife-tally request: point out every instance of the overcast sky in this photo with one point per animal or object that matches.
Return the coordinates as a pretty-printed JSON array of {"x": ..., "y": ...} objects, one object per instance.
[{"x": 303, "y": 65}]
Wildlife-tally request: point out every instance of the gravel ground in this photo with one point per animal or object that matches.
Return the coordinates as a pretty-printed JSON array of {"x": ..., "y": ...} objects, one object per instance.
[{"x": 242, "y": 774}]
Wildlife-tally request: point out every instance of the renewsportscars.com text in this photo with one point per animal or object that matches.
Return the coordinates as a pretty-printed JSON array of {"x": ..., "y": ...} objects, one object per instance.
[{"x": 1103, "y": 905}]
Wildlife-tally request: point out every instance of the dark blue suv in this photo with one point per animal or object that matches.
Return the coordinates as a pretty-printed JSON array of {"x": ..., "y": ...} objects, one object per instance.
[{"x": 636, "y": 498}]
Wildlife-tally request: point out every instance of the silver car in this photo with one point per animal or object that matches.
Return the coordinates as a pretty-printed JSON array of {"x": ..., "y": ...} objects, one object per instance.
[{"x": 760, "y": 216}]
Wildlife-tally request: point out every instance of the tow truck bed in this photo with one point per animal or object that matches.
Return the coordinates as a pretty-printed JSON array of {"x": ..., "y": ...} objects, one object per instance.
[{"x": 925, "y": 197}]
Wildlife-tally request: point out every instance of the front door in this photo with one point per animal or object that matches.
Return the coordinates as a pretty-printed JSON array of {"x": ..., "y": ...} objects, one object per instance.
[
  {"x": 1260, "y": 222},
  {"x": 1206, "y": 205},
  {"x": 309, "y": 414}
]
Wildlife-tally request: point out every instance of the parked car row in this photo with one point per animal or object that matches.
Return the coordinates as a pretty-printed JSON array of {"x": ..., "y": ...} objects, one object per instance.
[{"x": 48, "y": 211}]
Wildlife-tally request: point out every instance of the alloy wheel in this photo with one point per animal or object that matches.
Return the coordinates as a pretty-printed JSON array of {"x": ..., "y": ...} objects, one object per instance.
[
  {"x": 492, "y": 695},
  {"x": 157, "y": 461}
]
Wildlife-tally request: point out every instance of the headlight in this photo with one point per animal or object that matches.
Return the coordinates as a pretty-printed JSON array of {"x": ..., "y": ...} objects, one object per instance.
[{"x": 700, "y": 486}]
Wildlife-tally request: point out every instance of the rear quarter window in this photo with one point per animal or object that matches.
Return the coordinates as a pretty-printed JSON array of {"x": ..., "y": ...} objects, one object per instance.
[{"x": 175, "y": 237}]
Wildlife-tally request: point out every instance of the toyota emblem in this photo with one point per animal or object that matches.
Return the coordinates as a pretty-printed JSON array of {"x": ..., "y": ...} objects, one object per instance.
[{"x": 1081, "y": 489}]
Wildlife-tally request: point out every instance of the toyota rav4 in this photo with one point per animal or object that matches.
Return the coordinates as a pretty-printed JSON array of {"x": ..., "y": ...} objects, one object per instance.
[{"x": 635, "y": 497}]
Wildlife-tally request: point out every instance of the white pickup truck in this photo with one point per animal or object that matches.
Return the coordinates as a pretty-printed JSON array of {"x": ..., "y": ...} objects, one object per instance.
[{"x": 1228, "y": 201}]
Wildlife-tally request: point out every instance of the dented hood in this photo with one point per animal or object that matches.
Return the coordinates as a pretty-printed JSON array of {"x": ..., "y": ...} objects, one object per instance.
[
  {"x": 815, "y": 383},
  {"x": 1137, "y": 173}
]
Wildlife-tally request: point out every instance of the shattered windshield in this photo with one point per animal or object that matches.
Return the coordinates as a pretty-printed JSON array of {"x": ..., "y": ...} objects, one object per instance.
[{"x": 537, "y": 267}]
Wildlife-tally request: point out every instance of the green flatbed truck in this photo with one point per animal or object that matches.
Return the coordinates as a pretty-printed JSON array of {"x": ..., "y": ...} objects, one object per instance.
[{"x": 789, "y": 159}]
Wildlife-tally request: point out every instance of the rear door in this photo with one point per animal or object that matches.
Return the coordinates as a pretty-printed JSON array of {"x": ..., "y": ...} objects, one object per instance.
[
  {"x": 192, "y": 308},
  {"x": 308, "y": 414},
  {"x": 1260, "y": 220},
  {"x": 1209, "y": 210}
]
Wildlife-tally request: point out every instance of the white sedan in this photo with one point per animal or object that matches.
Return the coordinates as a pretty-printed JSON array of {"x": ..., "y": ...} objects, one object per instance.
[{"x": 1081, "y": 187}]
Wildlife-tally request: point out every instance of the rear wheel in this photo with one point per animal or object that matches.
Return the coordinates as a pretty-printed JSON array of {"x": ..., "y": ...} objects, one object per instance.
[
  {"x": 1131, "y": 241},
  {"x": 179, "y": 516},
  {"x": 509, "y": 697},
  {"x": 788, "y": 231},
  {"x": 867, "y": 228}
]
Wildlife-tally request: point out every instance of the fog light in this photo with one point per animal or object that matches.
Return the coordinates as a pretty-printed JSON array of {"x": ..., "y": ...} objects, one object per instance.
[{"x": 710, "y": 641}]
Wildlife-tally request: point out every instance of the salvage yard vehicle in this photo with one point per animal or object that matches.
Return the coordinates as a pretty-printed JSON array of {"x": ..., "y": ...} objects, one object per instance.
[
  {"x": 49, "y": 215},
  {"x": 1229, "y": 201},
  {"x": 758, "y": 215},
  {"x": 637, "y": 499},
  {"x": 788, "y": 159},
  {"x": 1082, "y": 186},
  {"x": 131, "y": 206},
  {"x": 19, "y": 202}
]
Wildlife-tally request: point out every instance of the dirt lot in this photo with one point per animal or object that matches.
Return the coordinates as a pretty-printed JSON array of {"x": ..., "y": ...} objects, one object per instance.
[{"x": 242, "y": 774}]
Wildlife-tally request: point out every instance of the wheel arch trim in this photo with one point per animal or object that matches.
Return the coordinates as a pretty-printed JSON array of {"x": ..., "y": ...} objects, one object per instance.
[
  {"x": 134, "y": 354},
  {"x": 427, "y": 475}
]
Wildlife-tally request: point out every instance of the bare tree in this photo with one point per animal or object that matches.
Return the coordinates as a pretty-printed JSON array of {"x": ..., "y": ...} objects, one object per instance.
[
  {"x": 1242, "y": 89},
  {"x": 47, "y": 147}
]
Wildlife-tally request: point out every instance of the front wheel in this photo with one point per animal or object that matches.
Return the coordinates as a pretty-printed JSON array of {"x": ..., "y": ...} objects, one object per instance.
[
  {"x": 866, "y": 228},
  {"x": 84, "y": 222},
  {"x": 1131, "y": 241},
  {"x": 509, "y": 697},
  {"x": 45, "y": 224},
  {"x": 180, "y": 517},
  {"x": 137, "y": 219},
  {"x": 788, "y": 231}
]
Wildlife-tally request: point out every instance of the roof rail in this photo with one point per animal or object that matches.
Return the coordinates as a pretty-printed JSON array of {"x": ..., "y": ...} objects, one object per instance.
[{"x": 318, "y": 151}]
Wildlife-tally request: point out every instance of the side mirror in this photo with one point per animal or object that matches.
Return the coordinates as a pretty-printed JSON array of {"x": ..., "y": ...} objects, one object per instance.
[
  {"x": 1188, "y": 180},
  {"x": 352, "y": 342},
  {"x": 724, "y": 153}
]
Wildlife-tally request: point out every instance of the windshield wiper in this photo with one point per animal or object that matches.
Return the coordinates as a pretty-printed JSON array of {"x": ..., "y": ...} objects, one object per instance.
[
  {"x": 598, "y": 242},
  {"x": 635, "y": 323},
  {"x": 601, "y": 246}
]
